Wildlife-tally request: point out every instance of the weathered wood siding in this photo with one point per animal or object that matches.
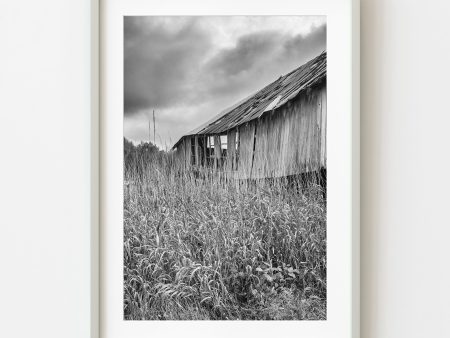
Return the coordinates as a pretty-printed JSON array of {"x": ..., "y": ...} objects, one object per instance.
[
  {"x": 287, "y": 141},
  {"x": 231, "y": 151},
  {"x": 217, "y": 151},
  {"x": 181, "y": 154},
  {"x": 246, "y": 138},
  {"x": 187, "y": 151},
  {"x": 197, "y": 150}
]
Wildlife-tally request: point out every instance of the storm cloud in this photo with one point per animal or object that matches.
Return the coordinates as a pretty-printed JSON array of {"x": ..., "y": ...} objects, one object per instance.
[
  {"x": 160, "y": 62},
  {"x": 260, "y": 58},
  {"x": 190, "y": 68}
]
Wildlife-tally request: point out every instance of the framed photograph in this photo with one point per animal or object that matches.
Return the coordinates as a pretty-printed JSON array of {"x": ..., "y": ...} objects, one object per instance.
[{"x": 229, "y": 168}]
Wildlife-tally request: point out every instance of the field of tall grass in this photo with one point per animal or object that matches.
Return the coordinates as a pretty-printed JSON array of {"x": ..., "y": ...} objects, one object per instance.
[{"x": 197, "y": 246}]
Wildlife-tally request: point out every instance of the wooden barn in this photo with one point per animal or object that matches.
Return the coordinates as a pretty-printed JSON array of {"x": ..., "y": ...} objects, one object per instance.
[{"x": 278, "y": 131}]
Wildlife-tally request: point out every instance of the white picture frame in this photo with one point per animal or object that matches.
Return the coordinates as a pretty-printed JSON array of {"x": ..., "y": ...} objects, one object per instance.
[{"x": 343, "y": 140}]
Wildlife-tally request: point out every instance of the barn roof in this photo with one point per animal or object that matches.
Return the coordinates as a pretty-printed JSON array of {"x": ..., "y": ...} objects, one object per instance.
[{"x": 267, "y": 99}]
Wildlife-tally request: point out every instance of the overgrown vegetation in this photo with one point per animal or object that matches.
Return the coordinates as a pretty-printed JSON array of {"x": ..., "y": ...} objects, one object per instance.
[{"x": 197, "y": 246}]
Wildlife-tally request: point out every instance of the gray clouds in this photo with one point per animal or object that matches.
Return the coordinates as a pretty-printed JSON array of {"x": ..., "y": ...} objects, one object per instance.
[
  {"x": 159, "y": 63},
  {"x": 191, "y": 68},
  {"x": 260, "y": 58}
]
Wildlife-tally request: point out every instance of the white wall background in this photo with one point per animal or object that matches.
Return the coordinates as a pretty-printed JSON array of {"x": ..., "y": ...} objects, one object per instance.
[
  {"x": 405, "y": 168},
  {"x": 44, "y": 171}
]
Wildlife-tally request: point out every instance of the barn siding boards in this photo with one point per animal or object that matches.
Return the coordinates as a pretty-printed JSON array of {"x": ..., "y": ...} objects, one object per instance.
[
  {"x": 205, "y": 149},
  {"x": 182, "y": 152},
  {"x": 231, "y": 150},
  {"x": 217, "y": 151},
  {"x": 260, "y": 155},
  {"x": 323, "y": 130},
  {"x": 291, "y": 140},
  {"x": 187, "y": 147},
  {"x": 246, "y": 135},
  {"x": 197, "y": 151},
  {"x": 286, "y": 141}
]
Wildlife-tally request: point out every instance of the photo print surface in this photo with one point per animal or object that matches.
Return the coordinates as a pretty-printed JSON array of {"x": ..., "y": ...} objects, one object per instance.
[{"x": 225, "y": 168}]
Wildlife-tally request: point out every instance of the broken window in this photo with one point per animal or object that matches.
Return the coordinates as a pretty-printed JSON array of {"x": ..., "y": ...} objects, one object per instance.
[
  {"x": 223, "y": 141},
  {"x": 224, "y": 149},
  {"x": 209, "y": 150},
  {"x": 215, "y": 155}
]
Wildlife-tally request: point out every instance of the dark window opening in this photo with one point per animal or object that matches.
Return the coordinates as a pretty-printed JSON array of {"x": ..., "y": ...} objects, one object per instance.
[
  {"x": 206, "y": 148},
  {"x": 209, "y": 150},
  {"x": 224, "y": 150}
]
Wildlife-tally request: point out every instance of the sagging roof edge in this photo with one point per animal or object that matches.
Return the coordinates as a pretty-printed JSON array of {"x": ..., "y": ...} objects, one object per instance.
[
  {"x": 310, "y": 83},
  {"x": 317, "y": 83}
]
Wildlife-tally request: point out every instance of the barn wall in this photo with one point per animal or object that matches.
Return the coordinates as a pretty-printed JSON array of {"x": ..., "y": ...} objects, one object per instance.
[
  {"x": 183, "y": 152},
  {"x": 287, "y": 141},
  {"x": 180, "y": 153},
  {"x": 231, "y": 151},
  {"x": 246, "y": 138},
  {"x": 197, "y": 150},
  {"x": 217, "y": 151},
  {"x": 187, "y": 151}
]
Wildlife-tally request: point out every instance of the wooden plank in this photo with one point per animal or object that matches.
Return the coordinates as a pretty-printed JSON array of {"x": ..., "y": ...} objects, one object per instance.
[
  {"x": 231, "y": 149},
  {"x": 246, "y": 135},
  {"x": 205, "y": 154},
  {"x": 217, "y": 151},
  {"x": 323, "y": 130},
  {"x": 187, "y": 147},
  {"x": 180, "y": 153},
  {"x": 197, "y": 153},
  {"x": 261, "y": 156},
  {"x": 273, "y": 136},
  {"x": 238, "y": 146}
]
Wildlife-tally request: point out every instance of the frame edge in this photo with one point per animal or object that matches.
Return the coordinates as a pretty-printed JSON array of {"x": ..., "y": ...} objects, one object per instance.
[
  {"x": 356, "y": 168},
  {"x": 95, "y": 161}
]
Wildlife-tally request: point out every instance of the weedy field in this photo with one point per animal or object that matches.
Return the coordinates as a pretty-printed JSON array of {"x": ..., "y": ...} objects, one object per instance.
[{"x": 197, "y": 246}]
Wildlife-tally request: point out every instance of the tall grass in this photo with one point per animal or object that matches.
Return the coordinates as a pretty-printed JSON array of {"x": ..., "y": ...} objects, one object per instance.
[{"x": 197, "y": 246}]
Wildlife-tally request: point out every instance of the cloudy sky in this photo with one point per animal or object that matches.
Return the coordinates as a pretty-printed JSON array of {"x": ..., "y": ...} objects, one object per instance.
[{"x": 188, "y": 69}]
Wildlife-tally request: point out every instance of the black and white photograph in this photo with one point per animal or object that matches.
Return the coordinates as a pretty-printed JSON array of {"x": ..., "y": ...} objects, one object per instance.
[{"x": 225, "y": 168}]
